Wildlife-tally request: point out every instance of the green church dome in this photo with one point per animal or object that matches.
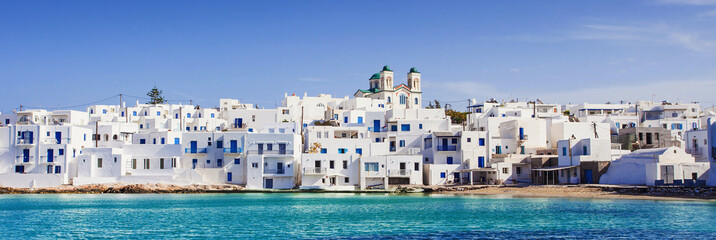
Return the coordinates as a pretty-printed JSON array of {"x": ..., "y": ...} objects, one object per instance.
[
  {"x": 414, "y": 70},
  {"x": 386, "y": 68},
  {"x": 375, "y": 76}
]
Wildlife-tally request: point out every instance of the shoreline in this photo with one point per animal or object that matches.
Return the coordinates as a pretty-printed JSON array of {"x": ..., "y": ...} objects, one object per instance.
[{"x": 543, "y": 191}]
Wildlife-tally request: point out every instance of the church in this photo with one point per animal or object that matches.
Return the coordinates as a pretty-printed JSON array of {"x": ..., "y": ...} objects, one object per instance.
[{"x": 401, "y": 96}]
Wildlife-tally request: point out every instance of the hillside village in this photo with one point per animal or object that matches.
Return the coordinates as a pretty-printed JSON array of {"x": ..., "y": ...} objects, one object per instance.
[{"x": 381, "y": 138}]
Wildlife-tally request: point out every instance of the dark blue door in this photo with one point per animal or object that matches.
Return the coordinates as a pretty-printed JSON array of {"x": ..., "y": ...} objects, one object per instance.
[
  {"x": 193, "y": 163},
  {"x": 193, "y": 146},
  {"x": 522, "y": 134},
  {"x": 26, "y": 155},
  {"x": 376, "y": 125},
  {"x": 229, "y": 177},
  {"x": 279, "y": 168},
  {"x": 449, "y": 160},
  {"x": 445, "y": 144},
  {"x": 481, "y": 162},
  {"x": 50, "y": 155},
  {"x": 234, "y": 145},
  {"x": 58, "y": 137},
  {"x": 31, "y": 138},
  {"x": 588, "y": 176},
  {"x": 269, "y": 183},
  {"x": 281, "y": 148}
]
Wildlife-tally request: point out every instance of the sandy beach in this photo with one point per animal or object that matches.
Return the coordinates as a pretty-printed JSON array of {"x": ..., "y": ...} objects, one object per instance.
[{"x": 560, "y": 191}]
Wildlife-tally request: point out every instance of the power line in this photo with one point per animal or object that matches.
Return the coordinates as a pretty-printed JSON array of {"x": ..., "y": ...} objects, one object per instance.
[{"x": 75, "y": 106}]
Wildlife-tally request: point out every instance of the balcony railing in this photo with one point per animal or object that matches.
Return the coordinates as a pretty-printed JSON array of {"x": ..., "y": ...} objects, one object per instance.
[
  {"x": 238, "y": 126},
  {"x": 274, "y": 171},
  {"x": 314, "y": 171},
  {"x": 270, "y": 152},
  {"x": 21, "y": 159},
  {"x": 232, "y": 150},
  {"x": 697, "y": 152},
  {"x": 25, "y": 140},
  {"x": 447, "y": 148},
  {"x": 195, "y": 150},
  {"x": 399, "y": 172},
  {"x": 523, "y": 137}
]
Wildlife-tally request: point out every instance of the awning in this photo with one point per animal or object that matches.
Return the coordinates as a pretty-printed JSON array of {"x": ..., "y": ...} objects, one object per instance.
[{"x": 554, "y": 168}]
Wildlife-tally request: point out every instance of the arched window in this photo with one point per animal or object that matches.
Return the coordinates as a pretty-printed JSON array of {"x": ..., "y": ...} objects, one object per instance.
[
  {"x": 403, "y": 99},
  {"x": 388, "y": 99},
  {"x": 114, "y": 137},
  {"x": 416, "y": 101}
]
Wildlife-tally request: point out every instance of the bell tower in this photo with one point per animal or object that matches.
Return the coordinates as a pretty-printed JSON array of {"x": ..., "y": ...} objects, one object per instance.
[
  {"x": 414, "y": 80},
  {"x": 386, "y": 78}
]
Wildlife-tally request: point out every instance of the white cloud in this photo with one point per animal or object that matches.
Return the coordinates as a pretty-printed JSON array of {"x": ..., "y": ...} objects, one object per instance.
[
  {"x": 676, "y": 90},
  {"x": 707, "y": 14},
  {"x": 646, "y": 33},
  {"x": 689, "y": 2}
]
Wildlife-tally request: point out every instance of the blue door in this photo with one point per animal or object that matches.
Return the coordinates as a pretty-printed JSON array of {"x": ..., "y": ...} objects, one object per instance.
[
  {"x": 58, "y": 137},
  {"x": 588, "y": 176},
  {"x": 522, "y": 134},
  {"x": 445, "y": 144},
  {"x": 498, "y": 149},
  {"x": 234, "y": 145},
  {"x": 360, "y": 120},
  {"x": 481, "y": 162},
  {"x": 26, "y": 155},
  {"x": 449, "y": 160},
  {"x": 31, "y": 138},
  {"x": 193, "y": 146},
  {"x": 279, "y": 168},
  {"x": 58, "y": 169},
  {"x": 282, "y": 148},
  {"x": 50, "y": 155},
  {"x": 193, "y": 163},
  {"x": 268, "y": 183},
  {"x": 229, "y": 177},
  {"x": 376, "y": 125}
]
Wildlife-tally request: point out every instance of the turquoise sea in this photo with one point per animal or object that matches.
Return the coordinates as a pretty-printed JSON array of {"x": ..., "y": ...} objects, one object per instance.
[{"x": 362, "y": 216}]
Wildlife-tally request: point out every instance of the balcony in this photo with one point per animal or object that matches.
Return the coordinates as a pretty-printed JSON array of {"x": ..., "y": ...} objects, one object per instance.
[
  {"x": 523, "y": 137},
  {"x": 274, "y": 171},
  {"x": 697, "y": 152},
  {"x": 195, "y": 150},
  {"x": 22, "y": 160},
  {"x": 447, "y": 148},
  {"x": 238, "y": 126},
  {"x": 233, "y": 150},
  {"x": 44, "y": 160},
  {"x": 371, "y": 129},
  {"x": 314, "y": 171},
  {"x": 25, "y": 141},
  {"x": 399, "y": 172},
  {"x": 270, "y": 152}
]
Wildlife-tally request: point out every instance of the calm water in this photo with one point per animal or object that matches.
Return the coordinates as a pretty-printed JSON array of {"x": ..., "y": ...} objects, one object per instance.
[{"x": 307, "y": 215}]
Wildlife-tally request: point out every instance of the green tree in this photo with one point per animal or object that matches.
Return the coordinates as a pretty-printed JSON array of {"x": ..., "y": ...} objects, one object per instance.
[
  {"x": 455, "y": 116},
  {"x": 436, "y": 105},
  {"x": 155, "y": 96}
]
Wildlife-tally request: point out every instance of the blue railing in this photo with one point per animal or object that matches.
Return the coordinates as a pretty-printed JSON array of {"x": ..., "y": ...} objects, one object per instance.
[
  {"x": 447, "y": 148},
  {"x": 232, "y": 150},
  {"x": 195, "y": 150}
]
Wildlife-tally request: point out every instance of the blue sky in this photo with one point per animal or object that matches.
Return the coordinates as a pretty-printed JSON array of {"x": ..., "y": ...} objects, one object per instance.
[{"x": 67, "y": 53}]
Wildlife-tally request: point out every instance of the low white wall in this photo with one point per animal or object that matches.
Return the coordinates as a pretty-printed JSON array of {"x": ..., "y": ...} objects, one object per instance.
[{"x": 15, "y": 180}]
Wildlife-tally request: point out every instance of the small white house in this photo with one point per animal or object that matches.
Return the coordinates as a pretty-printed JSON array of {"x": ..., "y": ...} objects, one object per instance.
[{"x": 658, "y": 166}]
